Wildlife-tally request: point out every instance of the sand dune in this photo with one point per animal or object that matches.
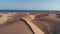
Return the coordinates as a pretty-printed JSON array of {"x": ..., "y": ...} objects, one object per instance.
[{"x": 47, "y": 22}]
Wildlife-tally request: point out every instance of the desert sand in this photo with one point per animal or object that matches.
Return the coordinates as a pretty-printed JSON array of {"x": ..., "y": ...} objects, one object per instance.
[{"x": 44, "y": 23}]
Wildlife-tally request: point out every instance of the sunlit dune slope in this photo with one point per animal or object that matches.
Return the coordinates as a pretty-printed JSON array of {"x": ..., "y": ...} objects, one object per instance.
[{"x": 5, "y": 17}]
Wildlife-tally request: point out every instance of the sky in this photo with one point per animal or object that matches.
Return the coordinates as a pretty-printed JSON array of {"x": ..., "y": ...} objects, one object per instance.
[{"x": 29, "y": 4}]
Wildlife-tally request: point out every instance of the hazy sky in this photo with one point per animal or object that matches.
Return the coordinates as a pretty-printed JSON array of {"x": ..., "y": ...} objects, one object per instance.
[{"x": 30, "y": 4}]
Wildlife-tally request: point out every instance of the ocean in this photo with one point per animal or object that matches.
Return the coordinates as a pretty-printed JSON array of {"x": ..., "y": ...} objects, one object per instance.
[{"x": 28, "y": 11}]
